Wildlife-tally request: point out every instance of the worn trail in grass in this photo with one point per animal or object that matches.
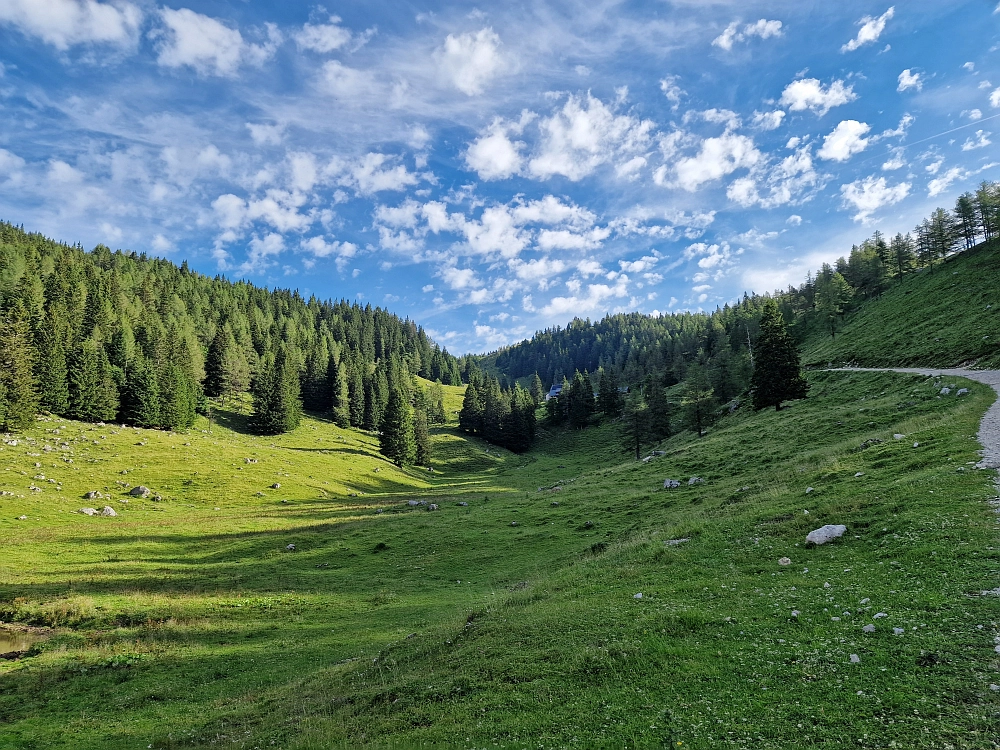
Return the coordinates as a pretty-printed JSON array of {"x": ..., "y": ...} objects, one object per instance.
[{"x": 512, "y": 620}]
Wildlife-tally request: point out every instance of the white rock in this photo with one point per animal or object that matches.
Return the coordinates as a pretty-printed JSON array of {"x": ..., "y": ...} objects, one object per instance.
[
  {"x": 670, "y": 484},
  {"x": 412, "y": 502},
  {"x": 809, "y": 489},
  {"x": 826, "y": 533},
  {"x": 855, "y": 659},
  {"x": 865, "y": 600},
  {"x": 835, "y": 619},
  {"x": 675, "y": 542},
  {"x": 945, "y": 391},
  {"x": 637, "y": 596},
  {"x": 916, "y": 445},
  {"x": 962, "y": 391},
  {"x": 695, "y": 480},
  {"x": 994, "y": 688},
  {"x": 826, "y": 585},
  {"x": 859, "y": 474},
  {"x": 290, "y": 548},
  {"x": 898, "y": 631},
  {"x": 784, "y": 561},
  {"x": 89, "y": 511},
  {"x": 795, "y": 613},
  {"x": 899, "y": 436},
  {"x": 868, "y": 629},
  {"x": 108, "y": 511},
  {"x": 879, "y": 615},
  {"x": 22, "y": 518}
]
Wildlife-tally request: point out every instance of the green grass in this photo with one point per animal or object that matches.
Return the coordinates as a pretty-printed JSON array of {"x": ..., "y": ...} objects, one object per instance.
[
  {"x": 945, "y": 317},
  {"x": 179, "y": 625}
]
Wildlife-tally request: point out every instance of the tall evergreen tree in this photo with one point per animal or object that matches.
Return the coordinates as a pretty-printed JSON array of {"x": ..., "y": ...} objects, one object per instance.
[
  {"x": 356, "y": 394},
  {"x": 435, "y": 404},
  {"x": 777, "y": 374},
  {"x": 18, "y": 394},
  {"x": 698, "y": 399},
  {"x": 421, "y": 438},
  {"x": 537, "y": 390},
  {"x": 340, "y": 396},
  {"x": 275, "y": 389},
  {"x": 141, "y": 400},
  {"x": 609, "y": 400},
  {"x": 51, "y": 371},
  {"x": 396, "y": 431},
  {"x": 470, "y": 418}
]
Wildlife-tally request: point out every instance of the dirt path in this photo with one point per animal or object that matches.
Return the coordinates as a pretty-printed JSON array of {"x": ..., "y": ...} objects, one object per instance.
[{"x": 989, "y": 428}]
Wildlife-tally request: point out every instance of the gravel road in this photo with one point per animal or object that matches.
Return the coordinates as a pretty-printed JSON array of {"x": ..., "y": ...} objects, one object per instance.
[{"x": 989, "y": 428}]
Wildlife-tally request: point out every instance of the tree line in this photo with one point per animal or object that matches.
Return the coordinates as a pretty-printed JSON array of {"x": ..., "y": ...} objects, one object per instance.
[
  {"x": 502, "y": 416},
  {"x": 105, "y": 335}
]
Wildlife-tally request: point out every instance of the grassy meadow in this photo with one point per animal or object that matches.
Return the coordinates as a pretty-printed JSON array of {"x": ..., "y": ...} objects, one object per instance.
[{"x": 509, "y": 617}]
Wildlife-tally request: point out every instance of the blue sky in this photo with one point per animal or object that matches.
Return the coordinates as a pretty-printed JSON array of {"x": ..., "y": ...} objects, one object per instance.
[{"x": 492, "y": 171}]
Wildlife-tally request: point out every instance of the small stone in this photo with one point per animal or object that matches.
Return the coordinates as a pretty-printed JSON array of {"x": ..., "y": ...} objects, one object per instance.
[
  {"x": 89, "y": 511},
  {"x": 276, "y": 486},
  {"x": 554, "y": 503},
  {"x": 859, "y": 474},
  {"x": 916, "y": 445},
  {"x": 412, "y": 503},
  {"x": 466, "y": 505},
  {"x": 675, "y": 542},
  {"x": 784, "y": 561},
  {"x": 695, "y": 480},
  {"x": 835, "y": 619},
  {"x": 826, "y": 533},
  {"x": 994, "y": 688},
  {"x": 290, "y": 548},
  {"x": 809, "y": 489},
  {"x": 962, "y": 391},
  {"x": 868, "y": 629},
  {"x": 637, "y": 596},
  {"x": 855, "y": 659},
  {"x": 140, "y": 491},
  {"x": 880, "y": 615},
  {"x": 899, "y": 436},
  {"x": 25, "y": 518},
  {"x": 826, "y": 585},
  {"x": 898, "y": 631},
  {"x": 513, "y": 523},
  {"x": 865, "y": 600},
  {"x": 945, "y": 391},
  {"x": 432, "y": 506},
  {"x": 669, "y": 484},
  {"x": 795, "y": 613}
]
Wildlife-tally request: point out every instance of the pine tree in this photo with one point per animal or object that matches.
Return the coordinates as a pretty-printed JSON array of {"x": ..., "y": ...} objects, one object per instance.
[
  {"x": 141, "y": 402},
  {"x": 340, "y": 397},
  {"x": 277, "y": 404},
  {"x": 396, "y": 430},
  {"x": 421, "y": 438},
  {"x": 537, "y": 390},
  {"x": 18, "y": 394},
  {"x": 215, "y": 376},
  {"x": 777, "y": 374},
  {"x": 51, "y": 371},
  {"x": 609, "y": 400},
  {"x": 470, "y": 418},
  {"x": 356, "y": 394},
  {"x": 698, "y": 399}
]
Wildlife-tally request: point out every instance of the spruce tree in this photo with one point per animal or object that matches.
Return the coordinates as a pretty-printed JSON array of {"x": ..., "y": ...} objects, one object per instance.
[
  {"x": 537, "y": 390},
  {"x": 609, "y": 400},
  {"x": 421, "y": 438},
  {"x": 698, "y": 399},
  {"x": 141, "y": 401},
  {"x": 51, "y": 372},
  {"x": 277, "y": 403},
  {"x": 356, "y": 394},
  {"x": 634, "y": 430},
  {"x": 470, "y": 418},
  {"x": 316, "y": 394},
  {"x": 777, "y": 374},
  {"x": 496, "y": 412},
  {"x": 435, "y": 404},
  {"x": 340, "y": 397},
  {"x": 19, "y": 399},
  {"x": 215, "y": 375},
  {"x": 396, "y": 430}
]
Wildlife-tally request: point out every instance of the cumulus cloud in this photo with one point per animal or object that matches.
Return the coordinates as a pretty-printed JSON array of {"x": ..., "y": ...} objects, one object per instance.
[
  {"x": 207, "y": 45},
  {"x": 584, "y": 134},
  {"x": 595, "y": 299},
  {"x": 734, "y": 33},
  {"x": 65, "y": 23},
  {"x": 871, "y": 29},
  {"x": 868, "y": 195},
  {"x": 895, "y": 161},
  {"x": 324, "y": 37},
  {"x": 713, "y": 258},
  {"x": 809, "y": 93},
  {"x": 494, "y": 155},
  {"x": 909, "y": 80},
  {"x": 995, "y": 97},
  {"x": 846, "y": 140},
  {"x": 981, "y": 140},
  {"x": 768, "y": 120},
  {"x": 973, "y": 114},
  {"x": 793, "y": 180},
  {"x": 470, "y": 61},
  {"x": 373, "y": 173},
  {"x": 266, "y": 135},
  {"x": 717, "y": 157}
]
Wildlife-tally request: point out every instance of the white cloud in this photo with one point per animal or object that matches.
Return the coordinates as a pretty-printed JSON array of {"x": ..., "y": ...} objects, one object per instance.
[
  {"x": 995, "y": 97},
  {"x": 323, "y": 249},
  {"x": 460, "y": 278},
  {"x": 261, "y": 249},
  {"x": 540, "y": 270},
  {"x": 942, "y": 183},
  {"x": 11, "y": 167},
  {"x": 908, "y": 80},
  {"x": 981, "y": 141},
  {"x": 370, "y": 174},
  {"x": 64, "y": 23},
  {"x": 584, "y": 134},
  {"x": 871, "y": 29},
  {"x": 711, "y": 257},
  {"x": 794, "y": 220},
  {"x": 596, "y": 298},
  {"x": 717, "y": 158},
  {"x": 207, "y": 45},
  {"x": 870, "y": 194},
  {"x": 344, "y": 82},
  {"x": 638, "y": 266},
  {"x": 494, "y": 155},
  {"x": 894, "y": 162},
  {"x": 973, "y": 114},
  {"x": 323, "y": 38},
  {"x": 266, "y": 135},
  {"x": 809, "y": 93},
  {"x": 768, "y": 120},
  {"x": 844, "y": 141},
  {"x": 471, "y": 61},
  {"x": 733, "y": 33},
  {"x": 671, "y": 90}
]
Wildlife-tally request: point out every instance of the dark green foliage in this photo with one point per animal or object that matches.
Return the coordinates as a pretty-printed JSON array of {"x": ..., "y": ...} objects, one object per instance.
[
  {"x": 277, "y": 406},
  {"x": 470, "y": 418},
  {"x": 609, "y": 399},
  {"x": 537, "y": 390},
  {"x": 18, "y": 394},
  {"x": 435, "y": 404},
  {"x": 141, "y": 397},
  {"x": 777, "y": 374},
  {"x": 634, "y": 430},
  {"x": 698, "y": 399},
  {"x": 356, "y": 394},
  {"x": 93, "y": 395},
  {"x": 376, "y": 398},
  {"x": 579, "y": 401},
  {"x": 502, "y": 416},
  {"x": 51, "y": 368},
  {"x": 215, "y": 378},
  {"x": 658, "y": 409},
  {"x": 340, "y": 398},
  {"x": 316, "y": 393},
  {"x": 421, "y": 438},
  {"x": 396, "y": 441}
]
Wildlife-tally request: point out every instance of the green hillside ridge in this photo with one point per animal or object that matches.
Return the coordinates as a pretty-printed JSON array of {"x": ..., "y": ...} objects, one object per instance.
[
  {"x": 942, "y": 317},
  {"x": 176, "y": 624}
]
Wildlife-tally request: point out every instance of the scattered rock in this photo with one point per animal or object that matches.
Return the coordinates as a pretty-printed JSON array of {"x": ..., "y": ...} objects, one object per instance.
[
  {"x": 432, "y": 506},
  {"x": 809, "y": 489},
  {"x": 140, "y": 491},
  {"x": 859, "y": 474},
  {"x": 25, "y": 518},
  {"x": 795, "y": 613},
  {"x": 826, "y": 533},
  {"x": 899, "y": 436},
  {"x": 94, "y": 495},
  {"x": 588, "y": 525},
  {"x": 898, "y": 631},
  {"x": 835, "y": 619},
  {"x": 868, "y": 629},
  {"x": 466, "y": 505},
  {"x": 880, "y": 615},
  {"x": 670, "y": 484},
  {"x": 647, "y": 459},
  {"x": 290, "y": 548},
  {"x": 89, "y": 511},
  {"x": 250, "y": 460},
  {"x": 276, "y": 486},
  {"x": 945, "y": 391},
  {"x": 695, "y": 480},
  {"x": 108, "y": 511},
  {"x": 855, "y": 659},
  {"x": 513, "y": 523},
  {"x": 637, "y": 596},
  {"x": 826, "y": 585},
  {"x": 962, "y": 391},
  {"x": 675, "y": 542},
  {"x": 869, "y": 443},
  {"x": 865, "y": 600},
  {"x": 916, "y": 445},
  {"x": 784, "y": 561},
  {"x": 412, "y": 503}
]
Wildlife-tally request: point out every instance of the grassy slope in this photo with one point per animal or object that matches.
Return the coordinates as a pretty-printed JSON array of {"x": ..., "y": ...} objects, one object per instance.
[
  {"x": 182, "y": 625},
  {"x": 941, "y": 318}
]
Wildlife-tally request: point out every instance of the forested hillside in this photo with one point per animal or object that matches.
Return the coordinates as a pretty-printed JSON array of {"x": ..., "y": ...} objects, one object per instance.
[
  {"x": 105, "y": 335},
  {"x": 655, "y": 353}
]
